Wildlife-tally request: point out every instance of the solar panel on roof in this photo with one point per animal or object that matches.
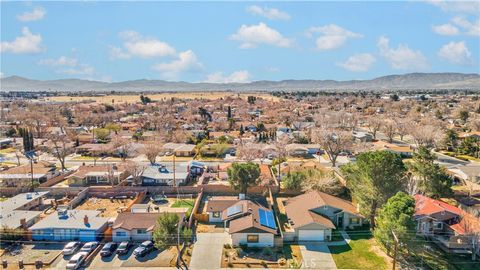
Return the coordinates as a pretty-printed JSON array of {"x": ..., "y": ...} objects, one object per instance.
[
  {"x": 233, "y": 210},
  {"x": 266, "y": 218}
]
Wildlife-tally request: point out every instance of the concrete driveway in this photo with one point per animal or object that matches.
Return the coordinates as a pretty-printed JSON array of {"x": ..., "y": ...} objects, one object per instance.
[
  {"x": 316, "y": 256},
  {"x": 207, "y": 251}
]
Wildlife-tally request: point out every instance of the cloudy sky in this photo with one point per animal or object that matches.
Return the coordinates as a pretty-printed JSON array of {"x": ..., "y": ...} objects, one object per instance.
[{"x": 237, "y": 41}]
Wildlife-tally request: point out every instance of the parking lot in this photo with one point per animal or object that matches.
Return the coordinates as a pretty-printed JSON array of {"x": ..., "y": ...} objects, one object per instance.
[{"x": 155, "y": 258}]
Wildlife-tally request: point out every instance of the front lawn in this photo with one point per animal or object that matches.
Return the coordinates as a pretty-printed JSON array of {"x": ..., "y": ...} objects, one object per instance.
[{"x": 358, "y": 254}]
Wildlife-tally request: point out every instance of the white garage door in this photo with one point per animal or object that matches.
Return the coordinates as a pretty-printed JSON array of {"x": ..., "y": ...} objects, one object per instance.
[{"x": 311, "y": 235}]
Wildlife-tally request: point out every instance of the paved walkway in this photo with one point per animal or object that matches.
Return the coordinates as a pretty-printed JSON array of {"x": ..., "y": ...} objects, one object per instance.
[
  {"x": 317, "y": 256},
  {"x": 207, "y": 251},
  {"x": 346, "y": 236}
]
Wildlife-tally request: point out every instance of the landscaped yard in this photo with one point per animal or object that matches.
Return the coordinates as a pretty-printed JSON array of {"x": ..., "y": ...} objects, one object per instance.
[
  {"x": 423, "y": 253},
  {"x": 359, "y": 253},
  {"x": 288, "y": 256}
]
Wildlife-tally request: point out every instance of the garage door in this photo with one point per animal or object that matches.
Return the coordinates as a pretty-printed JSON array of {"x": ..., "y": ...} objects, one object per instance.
[{"x": 311, "y": 235}]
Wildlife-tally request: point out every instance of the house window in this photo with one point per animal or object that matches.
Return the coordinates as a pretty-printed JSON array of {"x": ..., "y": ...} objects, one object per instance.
[
  {"x": 216, "y": 214},
  {"x": 141, "y": 231},
  {"x": 120, "y": 234},
  {"x": 354, "y": 220},
  {"x": 437, "y": 225},
  {"x": 252, "y": 238}
]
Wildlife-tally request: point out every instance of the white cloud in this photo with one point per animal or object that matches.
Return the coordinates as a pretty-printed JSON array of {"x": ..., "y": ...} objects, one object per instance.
[
  {"x": 36, "y": 14},
  {"x": 472, "y": 7},
  {"x": 269, "y": 13},
  {"x": 470, "y": 28},
  {"x": 445, "y": 29},
  {"x": 251, "y": 36},
  {"x": 187, "y": 62},
  {"x": 61, "y": 61},
  {"x": 26, "y": 43},
  {"x": 358, "y": 62},
  {"x": 135, "y": 45},
  {"x": 241, "y": 76},
  {"x": 82, "y": 69},
  {"x": 331, "y": 36},
  {"x": 402, "y": 57},
  {"x": 455, "y": 52}
]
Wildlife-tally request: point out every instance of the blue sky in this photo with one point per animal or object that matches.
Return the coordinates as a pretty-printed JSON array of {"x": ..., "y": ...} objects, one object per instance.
[{"x": 237, "y": 41}]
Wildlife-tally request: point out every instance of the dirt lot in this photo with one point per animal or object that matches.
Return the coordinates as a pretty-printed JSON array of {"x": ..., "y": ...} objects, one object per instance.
[
  {"x": 136, "y": 98},
  {"x": 110, "y": 206},
  {"x": 32, "y": 253}
]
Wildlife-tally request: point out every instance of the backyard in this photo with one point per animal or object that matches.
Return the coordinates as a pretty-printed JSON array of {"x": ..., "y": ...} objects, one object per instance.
[
  {"x": 288, "y": 256},
  {"x": 108, "y": 207},
  {"x": 187, "y": 203}
]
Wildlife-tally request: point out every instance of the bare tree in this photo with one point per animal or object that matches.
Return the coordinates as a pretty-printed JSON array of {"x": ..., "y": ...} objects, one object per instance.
[
  {"x": 333, "y": 142},
  {"x": 389, "y": 129},
  {"x": 62, "y": 147},
  {"x": 374, "y": 125},
  {"x": 425, "y": 135},
  {"x": 249, "y": 151},
  {"x": 135, "y": 169},
  {"x": 401, "y": 127},
  {"x": 151, "y": 151},
  {"x": 123, "y": 146},
  {"x": 281, "y": 151}
]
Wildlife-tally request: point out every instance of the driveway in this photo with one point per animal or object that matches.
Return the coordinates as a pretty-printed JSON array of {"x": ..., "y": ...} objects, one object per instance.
[
  {"x": 316, "y": 256},
  {"x": 207, "y": 251}
]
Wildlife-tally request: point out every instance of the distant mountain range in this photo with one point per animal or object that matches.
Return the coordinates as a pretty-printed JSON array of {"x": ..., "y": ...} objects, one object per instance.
[{"x": 393, "y": 82}]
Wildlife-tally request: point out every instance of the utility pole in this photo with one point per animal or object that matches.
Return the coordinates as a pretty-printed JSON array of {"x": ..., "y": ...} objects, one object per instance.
[{"x": 395, "y": 250}]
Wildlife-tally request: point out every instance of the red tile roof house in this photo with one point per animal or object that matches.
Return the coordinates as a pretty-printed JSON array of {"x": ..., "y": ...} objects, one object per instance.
[
  {"x": 247, "y": 222},
  {"x": 313, "y": 215},
  {"x": 451, "y": 228}
]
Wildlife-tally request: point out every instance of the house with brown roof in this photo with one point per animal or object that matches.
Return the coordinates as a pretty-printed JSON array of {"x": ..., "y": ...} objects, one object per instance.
[
  {"x": 22, "y": 175},
  {"x": 87, "y": 175},
  {"x": 216, "y": 205},
  {"x": 451, "y": 228},
  {"x": 313, "y": 215},
  {"x": 138, "y": 227}
]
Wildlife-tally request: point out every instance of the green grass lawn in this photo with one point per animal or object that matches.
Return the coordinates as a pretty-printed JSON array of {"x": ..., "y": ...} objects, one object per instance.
[
  {"x": 357, "y": 254},
  {"x": 189, "y": 203},
  {"x": 427, "y": 254}
]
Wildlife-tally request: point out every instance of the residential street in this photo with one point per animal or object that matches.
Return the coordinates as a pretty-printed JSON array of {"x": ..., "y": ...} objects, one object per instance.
[{"x": 207, "y": 251}]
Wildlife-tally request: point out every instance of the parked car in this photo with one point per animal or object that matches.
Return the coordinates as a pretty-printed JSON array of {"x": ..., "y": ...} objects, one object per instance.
[
  {"x": 123, "y": 248},
  {"x": 76, "y": 261},
  {"x": 89, "y": 247},
  {"x": 108, "y": 249},
  {"x": 143, "y": 249},
  {"x": 71, "y": 248}
]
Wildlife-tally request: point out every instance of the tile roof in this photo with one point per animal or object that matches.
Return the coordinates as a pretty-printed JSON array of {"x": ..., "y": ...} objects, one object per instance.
[{"x": 428, "y": 206}]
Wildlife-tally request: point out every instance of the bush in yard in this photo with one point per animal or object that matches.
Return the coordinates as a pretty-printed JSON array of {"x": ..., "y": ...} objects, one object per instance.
[
  {"x": 282, "y": 261},
  {"x": 264, "y": 264},
  {"x": 227, "y": 246},
  {"x": 267, "y": 251},
  {"x": 230, "y": 264}
]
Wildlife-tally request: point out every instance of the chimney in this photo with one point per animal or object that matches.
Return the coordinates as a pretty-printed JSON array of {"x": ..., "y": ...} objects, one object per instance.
[
  {"x": 23, "y": 223},
  {"x": 85, "y": 219}
]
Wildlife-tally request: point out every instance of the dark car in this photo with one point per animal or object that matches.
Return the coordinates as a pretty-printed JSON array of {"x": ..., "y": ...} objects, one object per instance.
[
  {"x": 108, "y": 249},
  {"x": 123, "y": 248},
  {"x": 143, "y": 249}
]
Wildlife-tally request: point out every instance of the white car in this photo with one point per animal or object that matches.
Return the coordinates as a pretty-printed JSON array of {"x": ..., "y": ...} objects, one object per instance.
[
  {"x": 76, "y": 261},
  {"x": 89, "y": 247},
  {"x": 71, "y": 248}
]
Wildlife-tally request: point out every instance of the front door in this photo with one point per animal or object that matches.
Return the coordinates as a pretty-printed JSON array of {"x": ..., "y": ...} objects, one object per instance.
[{"x": 340, "y": 221}]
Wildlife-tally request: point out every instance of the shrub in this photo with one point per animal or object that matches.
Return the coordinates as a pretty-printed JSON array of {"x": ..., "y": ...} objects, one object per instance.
[
  {"x": 248, "y": 265},
  {"x": 227, "y": 246},
  {"x": 282, "y": 261},
  {"x": 230, "y": 264},
  {"x": 239, "y": 251},
  {"x": 267, "y": 251},
  {"x": 264, "y": 264}
]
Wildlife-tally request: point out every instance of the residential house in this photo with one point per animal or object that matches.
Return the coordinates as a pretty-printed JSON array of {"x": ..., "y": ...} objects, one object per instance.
[
  {"x": 18, "y": 211},
  {"x": 88, "y": 175},
  {"x": 360, "y": 136},
  {"x": 403, "y": 150},
  {"x": 22, "y": 176},
  {"x": 138, "y": 227},
  {"x": 160, "y": 175},
  {"x": 295, "y": 149},
  {"x": 70, "y": 225},
  {"x": 6, "y": 143},
  {"x": 180, "y": 149},
  {"x": 216, "y": 205},
  {"x": 451, "y": 228},
  {"x": 313, "y": 215}
]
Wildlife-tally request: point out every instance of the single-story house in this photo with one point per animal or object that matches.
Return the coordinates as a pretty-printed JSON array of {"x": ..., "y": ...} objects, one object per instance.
[
  {"x": 98, "y": 175},
  {"x": 180, "y": 149},
  {"x": 16, "y": 212},
  {"x": 21, "y": 175},
  {"x": 360, "y": 136},
  {"x": 160, "y": 175},
  {"x": 216, "y": 205},
  {"x": 296, "y": 149},
  {"x": 70, "y": 225},
  {"x": 451, "y": 228},
  {"x": 313, "y": 215},
  {"x": 250, "y": 224},
  {"x": 6, "y": 143},
  {"x": 136, "y": 227},
  {"x": 403, "y": 150},
  {"x": 95, "y": 149}
]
